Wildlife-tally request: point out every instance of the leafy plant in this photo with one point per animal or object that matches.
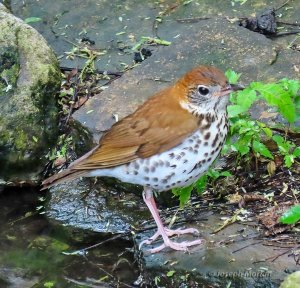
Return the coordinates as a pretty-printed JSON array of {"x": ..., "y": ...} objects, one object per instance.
[
  {"x": 247, "y": 135},
  {"x": 149, "y": 40},
  {"x": 87, "y": 53},
  {"x": 283, "y": 95},
  {"x": 61, "y": 150},
  {"x": 288, "y": 149},
  {"x": 199, "y": 186}
]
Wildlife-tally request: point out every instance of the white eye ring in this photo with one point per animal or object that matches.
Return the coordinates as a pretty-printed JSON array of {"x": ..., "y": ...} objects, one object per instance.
[{"x": 203, "y": 90}]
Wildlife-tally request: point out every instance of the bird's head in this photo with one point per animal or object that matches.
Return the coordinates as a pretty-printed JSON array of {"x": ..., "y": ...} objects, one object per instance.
[{"x": 205, "y": 89}]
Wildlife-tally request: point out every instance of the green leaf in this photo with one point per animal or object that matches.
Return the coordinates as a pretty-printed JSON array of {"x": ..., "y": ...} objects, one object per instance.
[
  {"x": 156, "y": 280},
  {"x": 276, "y": 95},
  {"x": 296, "y": 152},
  {"x": 261, "y": 149},
  {"x": 200, "y": 184},
  {"x": 225, "y": 174},
  {"x": 32, "y": 20},
  {"x": 225, "y": 148},
  {"x": 157, "y": 41},
  {"x": 278, "y": 139},
  {"x": 283, "y": 145},
  {"x": 232, "y": 76},
  {"x": 235, "y": 110},
  {"x": 246, "y": 97},
  {"x": 49, "y": 284},
  {"x": 35, "y": 139},
  {"x": 240, "y": 147},
  {"x": 288, "y": 160},
  {"x": 232, "y": 98},
  {"x": 291, "y": 216},
  {"x": 184, "y": 194},
  {"x": 268, "y": 131},
  {"x": 291, "y": 85},
  {"x": 171, "y": 273},
  {"x": 213, "y": 174}
]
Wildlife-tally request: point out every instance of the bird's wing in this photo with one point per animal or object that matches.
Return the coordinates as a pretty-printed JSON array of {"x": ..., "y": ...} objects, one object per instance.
[{"x": 140, "y": 135}]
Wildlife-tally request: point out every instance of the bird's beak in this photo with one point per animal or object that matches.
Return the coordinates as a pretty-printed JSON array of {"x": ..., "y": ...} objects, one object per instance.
[
  {"x": 237, "y": 87},
  {"x": 231, "y": 88}
]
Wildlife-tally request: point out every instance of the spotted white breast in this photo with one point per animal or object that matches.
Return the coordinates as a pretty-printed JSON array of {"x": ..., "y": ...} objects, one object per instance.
[{"x": 176, "y": 167}]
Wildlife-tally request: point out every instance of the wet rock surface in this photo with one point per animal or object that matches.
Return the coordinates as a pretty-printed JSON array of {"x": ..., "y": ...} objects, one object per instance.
[
  {"x": 36, "y": 253},
  {"x": 29, "y": 80},
  {"x": 104, "y": 23},
  {"x": 95, "y": 207},
  {"x": 234, "y": 255},
  {"x": 16, "y": 278},
  {"x": 116, "y": 26}
]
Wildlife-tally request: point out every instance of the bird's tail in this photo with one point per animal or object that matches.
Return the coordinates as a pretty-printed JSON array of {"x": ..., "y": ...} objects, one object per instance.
[{"x": 66, "y": 175}]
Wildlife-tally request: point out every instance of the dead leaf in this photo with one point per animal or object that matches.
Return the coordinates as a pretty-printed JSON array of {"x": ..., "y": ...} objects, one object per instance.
[
  {"x": 60, "y": 161},
  {"x": 271, "y": 167},
  {"x": 285, "y": 188},
  {"x": 278, "y": 160},
  {"x": 270, "y": 219},
  {"x": 80, "y": 102},
  {"x": 250, "y": 197},
  {"x": 296, "y": 68},
  {"x": 267, "y": 115},
  {"x": 234, "y": 198},
  {"x": 72, "y": 73}
]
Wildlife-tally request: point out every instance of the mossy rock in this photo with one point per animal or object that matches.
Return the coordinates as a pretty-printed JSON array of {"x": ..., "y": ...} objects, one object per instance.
[
  {"x": 291, "y": 281},
  {"x": 29, "y": 80}
]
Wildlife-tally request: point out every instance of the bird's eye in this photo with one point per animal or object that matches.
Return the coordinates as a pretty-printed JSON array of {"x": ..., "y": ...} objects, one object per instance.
[{"x": 203, "y": 90}]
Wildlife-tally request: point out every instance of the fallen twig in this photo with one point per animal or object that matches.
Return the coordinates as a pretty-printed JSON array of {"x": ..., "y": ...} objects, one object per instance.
[
  {"x": 192, "y": 20},
  {"x": 251, "y": 244},
  {"x": 111, "y": 73}
]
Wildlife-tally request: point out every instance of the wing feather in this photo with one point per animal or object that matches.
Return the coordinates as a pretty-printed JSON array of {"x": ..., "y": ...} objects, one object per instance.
[{"x": 155, "y": 127}]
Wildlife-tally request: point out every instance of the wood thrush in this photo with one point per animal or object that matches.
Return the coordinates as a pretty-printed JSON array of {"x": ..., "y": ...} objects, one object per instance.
[{"x": 167, "y": 142}]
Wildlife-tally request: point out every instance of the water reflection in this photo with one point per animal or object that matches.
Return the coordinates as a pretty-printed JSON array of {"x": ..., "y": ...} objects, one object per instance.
[{"x": 31, "y": 249}]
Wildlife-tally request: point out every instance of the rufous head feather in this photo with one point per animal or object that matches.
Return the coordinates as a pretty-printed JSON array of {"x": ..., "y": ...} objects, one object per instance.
[{"x": 204, "y": 89}]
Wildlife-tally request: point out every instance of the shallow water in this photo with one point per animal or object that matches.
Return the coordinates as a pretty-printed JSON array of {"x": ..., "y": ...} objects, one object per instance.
[{"x": 31, "y": 249}]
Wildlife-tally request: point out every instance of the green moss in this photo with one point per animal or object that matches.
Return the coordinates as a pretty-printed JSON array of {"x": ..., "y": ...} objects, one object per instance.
[
  {"x": 20, "y": 140},
  {"x": 29, "y": 127},
  {"x": 9, "y": 70},
  {"x": 82, "y": 138},
  {"x": 7, "y": 4}
]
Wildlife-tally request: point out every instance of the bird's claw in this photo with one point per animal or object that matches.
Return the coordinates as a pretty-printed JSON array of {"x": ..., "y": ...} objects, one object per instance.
[
  {"x": 176, "y": 246},
  {"x": 182, "y": 246}
]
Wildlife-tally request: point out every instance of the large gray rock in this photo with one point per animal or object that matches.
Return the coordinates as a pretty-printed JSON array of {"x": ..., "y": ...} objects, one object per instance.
[
  {"x": 212, "y": 42},
  {"x": 94, "y": 207},
  {"x": 29, "y": 80}
]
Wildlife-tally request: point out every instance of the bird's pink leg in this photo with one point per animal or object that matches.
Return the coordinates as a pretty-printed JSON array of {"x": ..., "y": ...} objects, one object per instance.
[{"x": 164, "y": 232}]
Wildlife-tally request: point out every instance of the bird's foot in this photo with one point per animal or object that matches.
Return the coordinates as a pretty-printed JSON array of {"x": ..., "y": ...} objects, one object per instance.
[
  {"x": 168, "y": 243},
  {"x": 182, "y": 246}
]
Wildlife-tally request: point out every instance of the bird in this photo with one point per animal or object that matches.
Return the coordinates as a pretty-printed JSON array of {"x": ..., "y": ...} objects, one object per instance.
[{"x": 168, "y": 142}]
